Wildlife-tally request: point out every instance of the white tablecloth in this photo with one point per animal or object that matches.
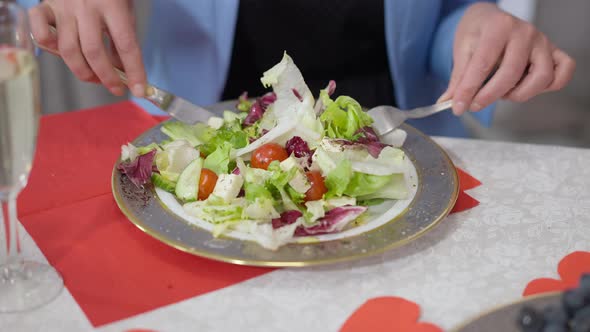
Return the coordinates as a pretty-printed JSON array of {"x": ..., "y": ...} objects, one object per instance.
[{"x": 535, "y": 209}]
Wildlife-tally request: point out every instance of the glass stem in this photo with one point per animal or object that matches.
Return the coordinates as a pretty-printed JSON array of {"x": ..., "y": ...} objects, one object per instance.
[
  {"x": 3, "y": 232},
  {"x": 9, "y": 251}
]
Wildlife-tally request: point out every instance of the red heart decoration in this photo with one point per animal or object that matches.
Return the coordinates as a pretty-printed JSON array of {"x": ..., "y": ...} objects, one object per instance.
[
  {"x": 386, "y": 314},
  {"x": 570, "y": 269}
]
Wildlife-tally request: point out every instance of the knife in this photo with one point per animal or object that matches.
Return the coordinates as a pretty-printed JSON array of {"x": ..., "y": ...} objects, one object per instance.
[{"x": 179, "y": 108}]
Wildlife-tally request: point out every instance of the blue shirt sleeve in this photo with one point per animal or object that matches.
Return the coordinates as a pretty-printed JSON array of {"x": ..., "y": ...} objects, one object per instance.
[{"x": 28, "y": 3}]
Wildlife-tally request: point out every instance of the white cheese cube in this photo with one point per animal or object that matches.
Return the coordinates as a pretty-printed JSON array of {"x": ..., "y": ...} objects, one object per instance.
[
  {"x": 228, "y": 186},
  {"x": 289, "y": 163}
]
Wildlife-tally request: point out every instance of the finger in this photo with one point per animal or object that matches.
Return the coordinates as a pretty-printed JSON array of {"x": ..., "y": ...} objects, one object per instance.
[
  {"x": 41, "y": 17},
  {"x": 564, "y": 70},
  {"x": 95, "y": 52},
  {"x": 489, "y": 49},
  {"x": 69, "y": 47},
  {"x": 119, "y": 23},
  {"x": 539, "y": 77},
  {"x": 461, "y": 56},
  {"x": 510, "y": 72}
]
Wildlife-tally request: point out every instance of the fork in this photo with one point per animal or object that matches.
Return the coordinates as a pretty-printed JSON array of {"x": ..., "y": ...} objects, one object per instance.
[{"x": 388, "y": 118}]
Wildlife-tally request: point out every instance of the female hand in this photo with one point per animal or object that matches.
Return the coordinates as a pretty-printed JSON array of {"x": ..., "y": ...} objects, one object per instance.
[
  {"x": 81, "y": 25},
  {"x": 526, "y": 62}
]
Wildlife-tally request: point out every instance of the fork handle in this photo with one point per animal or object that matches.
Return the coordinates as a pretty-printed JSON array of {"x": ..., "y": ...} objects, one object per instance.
[{"x": 423, "y": 112}]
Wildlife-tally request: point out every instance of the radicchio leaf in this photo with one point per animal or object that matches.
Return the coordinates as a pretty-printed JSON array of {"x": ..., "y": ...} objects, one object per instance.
[
  {"x": 258, "y": 108},
  {"x": 368, "y": 134},
  {"x": 367, "y": 138},
  {"x": 286, "y": 218},
  {"x": 268, "y": 99},
  {"x": 256, "y": 112},
  {"x": 297, "y": 94},
  {"x": 331, "y": 87},
  {"x": 319, "y": 105},
  {"x": 139, "y": 170},
  {"x": 371, "y": 141},
  {"x": 299, "y": 148},
  {"x": 334, "y": 221}
]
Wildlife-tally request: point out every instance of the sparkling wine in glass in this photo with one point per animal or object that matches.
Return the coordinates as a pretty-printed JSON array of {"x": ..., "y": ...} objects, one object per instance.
[{"x": 24, "y": 284}]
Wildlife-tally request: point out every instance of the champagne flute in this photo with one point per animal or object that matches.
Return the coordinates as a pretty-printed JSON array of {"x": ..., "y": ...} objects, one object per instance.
[{"x": 24, "y": 285}]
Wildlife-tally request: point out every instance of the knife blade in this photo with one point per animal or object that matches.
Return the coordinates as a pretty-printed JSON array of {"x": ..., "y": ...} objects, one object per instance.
[{"x": 179, "y": 108}]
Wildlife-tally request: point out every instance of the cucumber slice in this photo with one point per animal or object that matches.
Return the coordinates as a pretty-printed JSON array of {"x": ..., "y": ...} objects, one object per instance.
[
  {"x": 188, "y": 181},
  {"x": 161, "y": 182}
]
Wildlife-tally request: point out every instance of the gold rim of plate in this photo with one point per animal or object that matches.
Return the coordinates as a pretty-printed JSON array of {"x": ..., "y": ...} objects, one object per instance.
[{"x": 131, "y": 202}]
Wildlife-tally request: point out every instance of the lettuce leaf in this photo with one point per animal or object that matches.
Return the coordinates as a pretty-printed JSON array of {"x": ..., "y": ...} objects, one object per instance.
[
  {"x": 243, "y": 103},
  {"x": 295, "y": 196},
  {"x": 255, "y": 191},
  {"x": 235, "y": 136},
  {"x": 331, "y": 152},
  {"x": 219, "y": 160},
  {"x": 362, "y": 184},
  {"x": 261, "y": 209},
  {"x": 215, "y": 210},
  {"x": 279, "y": 180},
  {"x": 174, "y": 158},
  {"x": 315, "y": 211},
  {"x": 338, "y": 179},
  {"x": 148, "y": 148},
  {"x": 344, "y": 117},
  {"x": 253, "y": 175},
  {"x": 195, "y": 134},
  {"x": 396, "y": 188}
]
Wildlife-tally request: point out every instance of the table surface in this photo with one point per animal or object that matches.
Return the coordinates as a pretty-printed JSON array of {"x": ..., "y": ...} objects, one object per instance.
[{"x": 535, "y": 209}]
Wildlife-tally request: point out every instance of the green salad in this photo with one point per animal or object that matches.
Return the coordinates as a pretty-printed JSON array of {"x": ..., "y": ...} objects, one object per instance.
[{"x": 284, "y": 166}]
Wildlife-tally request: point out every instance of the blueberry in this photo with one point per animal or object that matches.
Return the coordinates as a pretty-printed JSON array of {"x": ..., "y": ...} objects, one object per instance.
[
  {"x": 555, "y": 328},
  {"x": 555, "y": 315},
  {"x": 572, "y": 301},
  {"x": 581, "y": 320},
  {"x": 530, "y": 320}
]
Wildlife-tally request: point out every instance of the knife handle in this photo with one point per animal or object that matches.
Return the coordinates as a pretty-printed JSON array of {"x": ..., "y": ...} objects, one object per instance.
[{"x": 152, "y": 93}]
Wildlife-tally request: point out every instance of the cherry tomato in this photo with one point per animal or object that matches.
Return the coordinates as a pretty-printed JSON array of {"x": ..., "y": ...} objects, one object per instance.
[
  {"x": 264, "y": 155},
  {"x": 206, "y": 183},
  {"x": 318, "y": 187}
]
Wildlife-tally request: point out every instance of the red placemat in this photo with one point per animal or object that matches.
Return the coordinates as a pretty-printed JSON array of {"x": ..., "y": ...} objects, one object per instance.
[
  {"x": 76, "y": 153},
  {"x": 114, "y": 270},
  {"x": 111, "y": 268}
]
